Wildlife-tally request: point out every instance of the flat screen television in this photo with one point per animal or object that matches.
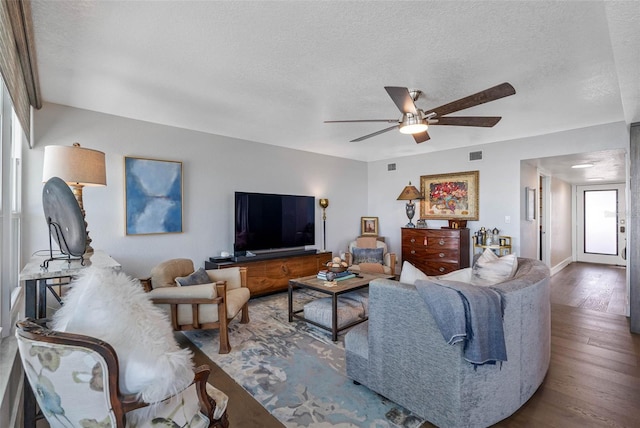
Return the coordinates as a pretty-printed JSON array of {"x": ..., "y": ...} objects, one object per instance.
[{"x": 265, "y": 221}]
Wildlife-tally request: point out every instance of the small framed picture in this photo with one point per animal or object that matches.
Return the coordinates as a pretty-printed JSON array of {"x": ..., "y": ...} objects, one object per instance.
[{"x": 369, "y": 226}]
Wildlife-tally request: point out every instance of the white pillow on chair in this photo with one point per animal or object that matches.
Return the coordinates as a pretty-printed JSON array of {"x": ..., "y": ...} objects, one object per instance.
[{"x": 111, "y": 306}]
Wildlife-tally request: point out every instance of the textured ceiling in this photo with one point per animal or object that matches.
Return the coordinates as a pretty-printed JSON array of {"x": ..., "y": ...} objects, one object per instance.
[
  {"x": 608, "y": 167},
  {"x": 272, "y": 72}
]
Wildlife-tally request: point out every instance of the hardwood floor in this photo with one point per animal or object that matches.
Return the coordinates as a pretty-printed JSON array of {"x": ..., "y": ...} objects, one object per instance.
[
  {"x": 594, "y": 375},
  {"x": 598, "y": 287}
]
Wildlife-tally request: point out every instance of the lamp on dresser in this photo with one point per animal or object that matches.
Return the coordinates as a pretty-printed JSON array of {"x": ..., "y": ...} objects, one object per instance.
[
  {"x": 409, "y": 193},
  {"x": 78, "y": 167}
]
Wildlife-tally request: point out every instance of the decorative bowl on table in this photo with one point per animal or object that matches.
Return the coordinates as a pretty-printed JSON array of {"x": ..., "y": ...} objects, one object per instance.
[{"x": 337, "y": 265}]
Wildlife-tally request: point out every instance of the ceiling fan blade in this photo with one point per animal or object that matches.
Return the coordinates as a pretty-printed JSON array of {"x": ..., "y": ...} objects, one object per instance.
[
  {"x": 362, "y": 120},
  {"x": 382, "y": 131},
  {"x": 402, "y": 98},
  {"x": 484, "y": 121},
  {"x": 421, "y": 137},
  {"x": 491, "y": 94}
]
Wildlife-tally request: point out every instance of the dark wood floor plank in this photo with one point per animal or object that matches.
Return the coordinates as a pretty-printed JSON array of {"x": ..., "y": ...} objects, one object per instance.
[
  {"x": 596, "y": 357},
  {"x": 594, "y": 374}
]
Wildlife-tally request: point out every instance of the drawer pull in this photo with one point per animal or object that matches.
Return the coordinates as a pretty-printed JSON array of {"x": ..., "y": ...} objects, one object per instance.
[
  {"x": 413, "y": 240},
  {"x": 441, "y": 242},
  {"x": 441, "y": 255},
  {"x": 441, "y": 269},
  {"x": 413, "y": 251}
]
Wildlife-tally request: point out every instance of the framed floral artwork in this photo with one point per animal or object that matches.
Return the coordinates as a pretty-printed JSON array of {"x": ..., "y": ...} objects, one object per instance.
[
  {"x": 450, "y": 196},
  {"x": 369, "y": 226}
]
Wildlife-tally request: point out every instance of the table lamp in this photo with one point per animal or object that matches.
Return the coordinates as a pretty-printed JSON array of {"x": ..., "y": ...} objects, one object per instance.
[
  {"x": 78, "y": 167},
  {"x": 409, "y": 193}
]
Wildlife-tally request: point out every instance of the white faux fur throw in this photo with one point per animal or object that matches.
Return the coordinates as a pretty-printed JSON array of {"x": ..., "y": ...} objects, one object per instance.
[{"x": 113, "y": 307}]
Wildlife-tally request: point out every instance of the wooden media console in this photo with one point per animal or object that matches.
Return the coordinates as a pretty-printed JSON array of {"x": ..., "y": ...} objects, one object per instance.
[{"x": 266, "y": 275}]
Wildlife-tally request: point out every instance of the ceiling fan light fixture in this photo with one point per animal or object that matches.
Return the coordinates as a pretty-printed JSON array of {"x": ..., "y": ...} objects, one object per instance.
[{"x": 413, "y": 125}]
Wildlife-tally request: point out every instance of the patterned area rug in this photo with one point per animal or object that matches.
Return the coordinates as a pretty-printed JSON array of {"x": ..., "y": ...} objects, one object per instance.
[{"x": 296, "y": 372}]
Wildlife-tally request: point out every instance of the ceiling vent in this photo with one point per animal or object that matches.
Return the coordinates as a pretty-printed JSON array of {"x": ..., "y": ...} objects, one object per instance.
[
  {"x": 475, "y": 156},
  {"x": 391, "y": 167}
]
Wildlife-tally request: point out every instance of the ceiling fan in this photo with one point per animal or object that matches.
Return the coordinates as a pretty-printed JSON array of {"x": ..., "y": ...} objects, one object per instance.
[{"x": 415, "y": 121}]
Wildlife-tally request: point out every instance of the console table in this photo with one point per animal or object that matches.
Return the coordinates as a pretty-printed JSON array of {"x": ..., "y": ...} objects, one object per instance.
[
  {"x": 36, "y": 282},
  {"x": 266, "y": 276},
  {"x": 36, "y": 278}
]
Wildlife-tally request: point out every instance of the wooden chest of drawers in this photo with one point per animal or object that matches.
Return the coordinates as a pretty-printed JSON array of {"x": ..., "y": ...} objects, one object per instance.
[{"x": 436, "y": 251}]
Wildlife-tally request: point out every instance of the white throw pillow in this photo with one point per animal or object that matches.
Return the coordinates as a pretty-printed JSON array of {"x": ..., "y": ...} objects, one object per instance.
[
  {"x": 460, "y": 275},
  {"x": 410, "y": 274},
  {"x": 111, "y": 306},
  {"x": 490, "y": 269}
]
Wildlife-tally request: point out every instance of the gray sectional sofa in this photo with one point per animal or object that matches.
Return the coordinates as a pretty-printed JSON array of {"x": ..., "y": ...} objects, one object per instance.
[{"x": 401, "y": 354}]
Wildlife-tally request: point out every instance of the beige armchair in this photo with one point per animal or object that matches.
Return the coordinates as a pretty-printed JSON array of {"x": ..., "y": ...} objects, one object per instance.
[
  {"x": 208, "y": 305},
  {"x": 368, "y": 254}
]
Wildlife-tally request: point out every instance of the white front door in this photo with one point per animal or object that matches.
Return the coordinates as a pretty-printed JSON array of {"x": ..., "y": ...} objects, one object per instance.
[{"x": 601, "y": 224}]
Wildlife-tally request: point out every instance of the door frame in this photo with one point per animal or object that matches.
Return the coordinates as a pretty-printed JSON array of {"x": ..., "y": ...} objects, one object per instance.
[
  {"x": 543, "y": 217},
  {"x": 580, "y": 255}
]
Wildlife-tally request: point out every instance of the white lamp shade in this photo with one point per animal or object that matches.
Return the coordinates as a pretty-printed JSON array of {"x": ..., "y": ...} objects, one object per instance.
[{"x": 74, "y": 165}]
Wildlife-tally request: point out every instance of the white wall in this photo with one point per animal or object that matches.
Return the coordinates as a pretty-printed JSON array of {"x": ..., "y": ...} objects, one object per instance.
[
  {"x": 213, "y": 168},
  {"x": 529, "y": 230},
  {"x": 216, "y": 166},
  {"x": 501, "y": 192},
  {"x": 561, "y": 222}
]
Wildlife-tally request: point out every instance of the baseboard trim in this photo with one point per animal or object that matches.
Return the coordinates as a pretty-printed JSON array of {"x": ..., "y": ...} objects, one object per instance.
[{"x": 563, "y": 264}]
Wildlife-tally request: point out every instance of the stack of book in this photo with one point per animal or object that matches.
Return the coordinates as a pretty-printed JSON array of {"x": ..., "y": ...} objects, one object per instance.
[{"x": 339, "y": 276}]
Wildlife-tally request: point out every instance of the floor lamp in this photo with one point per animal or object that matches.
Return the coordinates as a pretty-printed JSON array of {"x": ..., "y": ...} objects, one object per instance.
[
  {"x": 408, "y": 194},
  {"x": 78, "y": 167},
  {"x": 324, "y": 203}
]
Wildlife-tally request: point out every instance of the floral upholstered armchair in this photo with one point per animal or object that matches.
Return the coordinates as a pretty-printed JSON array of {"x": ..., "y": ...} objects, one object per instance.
[
  {"x": 368, "y": 254},
  {"x": 75, "y": 379}
]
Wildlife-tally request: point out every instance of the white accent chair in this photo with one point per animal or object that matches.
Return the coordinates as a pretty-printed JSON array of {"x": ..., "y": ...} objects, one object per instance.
[{"x": 201, "y": 306}]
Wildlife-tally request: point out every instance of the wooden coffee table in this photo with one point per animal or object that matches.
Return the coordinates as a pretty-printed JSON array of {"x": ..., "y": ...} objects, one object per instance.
[{"x": 345, "y": 286}]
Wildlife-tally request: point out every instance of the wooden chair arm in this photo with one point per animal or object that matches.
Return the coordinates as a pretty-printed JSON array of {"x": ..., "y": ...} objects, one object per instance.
[
  {"x": 201, "y": 375},
  {"x": 146, "y": 284},
  {"x": 207, "y": 404},
  {"x": 392, "y": 261},
  {"x": 243, "y": 276},
  {"x": 221, "y": 289},
  {"x": 187, "y": 301},
  {"x": 348, "y": 258}
]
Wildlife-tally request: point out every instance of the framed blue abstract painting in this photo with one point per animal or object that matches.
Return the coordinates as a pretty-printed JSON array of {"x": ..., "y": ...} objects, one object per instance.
[{"x": 153, "y": 196}]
